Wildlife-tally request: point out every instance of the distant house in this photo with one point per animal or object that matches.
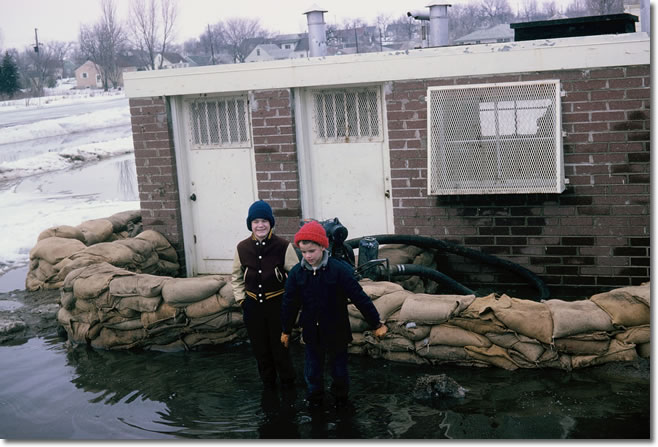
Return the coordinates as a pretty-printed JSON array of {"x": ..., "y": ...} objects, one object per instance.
[
  {"x": 87, "y": 75},
  {"x": 495, "y": 34},
  {"x": 285, "y": 46}
]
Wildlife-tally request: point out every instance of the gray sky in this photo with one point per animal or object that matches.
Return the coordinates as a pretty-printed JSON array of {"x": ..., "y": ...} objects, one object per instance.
[{"x": 61, "y": 19}]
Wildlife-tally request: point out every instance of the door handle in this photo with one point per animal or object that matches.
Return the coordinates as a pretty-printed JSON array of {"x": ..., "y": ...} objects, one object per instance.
[
  {"x": 387, "y": 194},
  {"x": 193, "y": 197}
]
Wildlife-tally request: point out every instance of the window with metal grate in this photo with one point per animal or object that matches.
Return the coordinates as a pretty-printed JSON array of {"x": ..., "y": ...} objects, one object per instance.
[
  {"x": 346, "y": 115},
  {"x": 221, "y": 122},
  {"x": 499, "y": 138}
]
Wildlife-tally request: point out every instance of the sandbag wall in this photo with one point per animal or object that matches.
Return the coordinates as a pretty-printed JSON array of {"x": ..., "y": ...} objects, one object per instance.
[
  {"x": 506, "y": 332},
  {"x": 113, "y": 308},
  {"x": 117, "y": 240}
]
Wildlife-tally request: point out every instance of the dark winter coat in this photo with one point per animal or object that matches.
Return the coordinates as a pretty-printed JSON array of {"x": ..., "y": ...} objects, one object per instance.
[{"x": 322, "y": 295}]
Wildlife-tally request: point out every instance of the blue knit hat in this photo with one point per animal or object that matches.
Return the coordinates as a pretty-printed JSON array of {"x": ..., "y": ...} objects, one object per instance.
[{"x": 260, "y": 210}]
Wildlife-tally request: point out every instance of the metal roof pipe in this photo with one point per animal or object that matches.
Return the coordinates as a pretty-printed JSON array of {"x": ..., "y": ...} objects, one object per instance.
[
  {"x": 317, "y": 36},
  {"x": 439, "y": 25}
]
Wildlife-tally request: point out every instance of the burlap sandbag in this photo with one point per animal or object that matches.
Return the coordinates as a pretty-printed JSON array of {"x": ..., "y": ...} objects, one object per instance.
[
  {"x": 624, "y": 307},
  {"x": 142, "y": 285},
  {"x": 398, "y": 356},
  {"x": 358, "y": 324},
  {"x": 180, "y": 292},
  {"x": 637, "y": 335},
  {"x": 121, "y": 219},
  {"x": 583, "y": 344},
  {"x": 115, "y": 339},
  {"x": 219, "y": 321},
  {"x": 526, "y": 347},
  {"x": 617, "y": 352},
  {"x": 45, "y": 271},
  {"x": 480, "y": 326},
  {"x": 444, "y": 354},
  {"x": 200, "y": 339},
  {"x": 96, "y": 280},
  {"x": 96, "y": 230},
  {"x": 113, "y": 253},
  {"x": 66, "y": 300},
  {"x": 399, "y": 253},
  {"x": 66, "y": 266},
  {"x": 385, "y": 304},
  {"x": 84, "y": 305},
  {"x": 139, "y": 303},
  {"x": 64, "y": 231},
  {"x": 141, "y": 248},
  {"x": 125, "y": 325},
  {"x": 449, "y": 335},
  {"x": 525, "y": 317},
  {"x": 375, "y": 289},
  {"x": 163, "y": 267},
  {"x": 644, "y": 350},
  {"x": 577, "y": 317},
  {"x": 163, "y": 313},
  {"x": 411, "y": 330},
  {"x": 433, "y": 309},
  {"x": 54, "y": 249},
  {"x": 211, "y": 305},
  {"x": 390, "y": 342},
  {"x": 158, "y": 241},
  {"x": 494, "y": 355}
]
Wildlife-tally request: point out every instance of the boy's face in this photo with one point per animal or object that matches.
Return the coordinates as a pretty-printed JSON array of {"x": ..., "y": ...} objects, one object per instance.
[
  {"x": 311, "y": 252},
  {"x": 261, "y": 228}
]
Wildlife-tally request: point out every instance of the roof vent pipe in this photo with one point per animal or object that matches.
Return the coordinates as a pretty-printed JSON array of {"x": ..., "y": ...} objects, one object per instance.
[
  {"x": 317, "y": 36},
  {"x": 439, "y": 25}
]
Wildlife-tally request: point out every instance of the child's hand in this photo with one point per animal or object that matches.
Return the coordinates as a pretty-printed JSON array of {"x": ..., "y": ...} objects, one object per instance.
[
  {"x": 285, "y": 338},
  {"x": 381, "y": 331}
]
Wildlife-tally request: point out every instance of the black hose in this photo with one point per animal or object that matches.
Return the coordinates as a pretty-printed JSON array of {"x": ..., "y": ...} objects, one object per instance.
[
  {"x": 434, "y": 275},
  {"x": 428, "y": 242}
]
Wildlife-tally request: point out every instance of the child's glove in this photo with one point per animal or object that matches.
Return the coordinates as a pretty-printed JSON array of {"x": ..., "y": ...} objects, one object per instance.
[
  {"x": 381, "y": 331},
  {"x": 285, "y": 339}
]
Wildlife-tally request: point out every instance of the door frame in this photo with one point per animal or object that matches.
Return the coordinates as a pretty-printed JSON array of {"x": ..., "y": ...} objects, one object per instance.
[
  {"x": 181, "y": 148},
  {"x": 304, "y": 130}
]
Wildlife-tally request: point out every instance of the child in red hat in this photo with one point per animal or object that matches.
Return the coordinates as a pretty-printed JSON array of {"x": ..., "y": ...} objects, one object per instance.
[{"x": 320, "y": 285}]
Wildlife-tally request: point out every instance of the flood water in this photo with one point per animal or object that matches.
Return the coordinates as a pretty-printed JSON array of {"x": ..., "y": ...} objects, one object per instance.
[{"x": 51, "y": 391}]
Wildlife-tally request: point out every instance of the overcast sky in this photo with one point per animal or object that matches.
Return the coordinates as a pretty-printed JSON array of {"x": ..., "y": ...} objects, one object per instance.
[{"x": 61, "y": 19}]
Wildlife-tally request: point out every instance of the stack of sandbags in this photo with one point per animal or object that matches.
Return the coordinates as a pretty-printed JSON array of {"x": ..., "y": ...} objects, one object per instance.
[
  {"x": 113, "y": 308},
  {"x": 411, "y": 254},
  {"x": 59, "y": 250},
  {"x": 512, "y": 333}
]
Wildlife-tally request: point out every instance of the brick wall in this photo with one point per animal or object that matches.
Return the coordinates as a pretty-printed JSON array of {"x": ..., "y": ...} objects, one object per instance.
[
  {"x": 592, "y": 237},
  {"x": 155, "y": 162},
  {"x": 273, "y": 125}
]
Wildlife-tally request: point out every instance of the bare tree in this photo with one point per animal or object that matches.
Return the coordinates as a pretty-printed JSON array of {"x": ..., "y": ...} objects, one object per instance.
[
  {"x": 495, "y": 12},
  {"x": 464, "y": 20},
  {"x": 60, "y": 52},
  {"x": 529, "y": 10},
  {"x": 241, "y": 35},
  {"x": 102, "y": 43},
  {"x": 37, "y": 69},
  {"x": 549, "y": 9},
  {"x": 151, "y": 28},
  {"x": 603, "y": 7},
  {"x": 404, "y": 27}
]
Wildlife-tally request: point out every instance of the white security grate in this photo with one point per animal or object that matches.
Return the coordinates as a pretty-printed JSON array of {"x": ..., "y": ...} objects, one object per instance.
[
  {"x": 501, "y": 138},
  {"x": 346, "y": 115},
  {"x": 221, "y": 122}
]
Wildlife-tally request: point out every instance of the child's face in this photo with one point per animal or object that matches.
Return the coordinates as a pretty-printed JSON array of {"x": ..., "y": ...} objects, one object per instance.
[
  {"x": 261, "y": 228},
  {"x": 311, "y": 252}
]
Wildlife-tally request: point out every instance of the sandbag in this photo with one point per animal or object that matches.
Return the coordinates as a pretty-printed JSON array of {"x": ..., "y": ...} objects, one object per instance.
[
  {"x": 398, "y": 356},
  {"x": 66, "y": 266},
  {"x": 399, "y": 253},
  {"x": 113, "y": 253},
  {"x": 637, "y": 335},
  {"x": 526, "y": 347},
  {"x": 443, "y": 353},
  {"x": 494, "y": 355},
  {"x": 644, "y": 350},
  {"x": 180, "y": 292},
  {"x": 64, "y": 231},
  {"x": 358, "y": 324},
  {"x": 125, "y": 325},
  {"x": 529, "y": 318},
  {"x": 624, "y": 307},
  {"x": 226, "y": 292},
  {"x": 219, "y": 321},
  {"x": 142, "y": 285},
  {"x": 385, "y": 304},
  {"x": 375, "y": 289},
  {"x": 66, "y": 300},
  {"x": 96, "y": 230},
  {"x": 197, "y": 339},
  {"x": 90, "y": 286},
  {"x": 488, "y": 325},
  {"x": 588, "y": 344},
  {"x": 141, "y": 248},
  {"x": 54, "y": 249},
  {"x": 577, "y": 317},
  {"x": 391, "y": 342},
  {"x": 211, "y": 305},
  {"x": 617, "y": 352},
  {"x": 116, "y": 339},
  {"x": 433, "y": 309},
  {"x": 162, "y": 313},
  {"x": 449, "y": 335},
  {"x": 411, "y": 330},
  {"x": 121, "y": 219},
  {"x": 158, "y": 241},
  {"x": 138, "y": 303}
]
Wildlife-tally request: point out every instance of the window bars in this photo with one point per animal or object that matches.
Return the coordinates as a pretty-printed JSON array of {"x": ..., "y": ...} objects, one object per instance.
[
  {"x": 346, "y": 115},
  {"x": 501, "y": 138},
  {"x": 220, "y": 122}
]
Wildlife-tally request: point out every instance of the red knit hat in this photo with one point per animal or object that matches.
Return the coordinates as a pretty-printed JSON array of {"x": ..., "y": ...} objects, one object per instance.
[{"x": 314, "y": 232}]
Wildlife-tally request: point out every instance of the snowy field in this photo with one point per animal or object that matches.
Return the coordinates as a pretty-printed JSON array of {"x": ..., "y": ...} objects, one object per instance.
[{"x": 62, "y": 171}]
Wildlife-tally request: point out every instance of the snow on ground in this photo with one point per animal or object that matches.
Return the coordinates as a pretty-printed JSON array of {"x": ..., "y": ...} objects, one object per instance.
[{"x": 66, "y": 186}]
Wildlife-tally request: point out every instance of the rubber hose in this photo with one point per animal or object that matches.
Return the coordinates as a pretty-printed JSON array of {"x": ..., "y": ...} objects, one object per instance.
[
  {"x": 428, "y": 242},
  {"x": 434, "y": 275}
]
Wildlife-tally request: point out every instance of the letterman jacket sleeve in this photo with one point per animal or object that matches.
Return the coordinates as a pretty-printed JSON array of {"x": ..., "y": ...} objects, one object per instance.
[
  {"x": 291, "y": 259},
  {"x": 237, "y": 280}
]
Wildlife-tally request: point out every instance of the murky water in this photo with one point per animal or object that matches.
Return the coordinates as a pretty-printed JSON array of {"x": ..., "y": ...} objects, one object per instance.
[{"x": 50, "y": 391}]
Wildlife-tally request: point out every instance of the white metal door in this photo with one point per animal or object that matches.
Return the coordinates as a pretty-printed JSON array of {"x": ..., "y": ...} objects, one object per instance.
[
  {"x": 220, "y": 181},
  {"x": 344, "y": 164}
]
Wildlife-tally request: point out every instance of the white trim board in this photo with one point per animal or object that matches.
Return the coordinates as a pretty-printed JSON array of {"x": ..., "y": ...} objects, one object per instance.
[{"x": 465, "y": 60}]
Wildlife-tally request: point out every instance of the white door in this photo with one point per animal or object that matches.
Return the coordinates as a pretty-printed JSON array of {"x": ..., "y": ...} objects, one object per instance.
[
  {"x": 344, "y": 163},
  {"x": 220, "y": 182}
]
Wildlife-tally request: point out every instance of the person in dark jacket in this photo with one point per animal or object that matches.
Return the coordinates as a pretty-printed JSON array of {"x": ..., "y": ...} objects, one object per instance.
[
  {"x": 320, "y": 285},
  {"x": 259, "y": 273}
]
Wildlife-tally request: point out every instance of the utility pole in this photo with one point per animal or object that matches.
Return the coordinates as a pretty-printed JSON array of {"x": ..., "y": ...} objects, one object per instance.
[
  {"x": 212, "y": 51},
  {"x": 36, "y": 41},
  {"x": 356, "y": 39}
]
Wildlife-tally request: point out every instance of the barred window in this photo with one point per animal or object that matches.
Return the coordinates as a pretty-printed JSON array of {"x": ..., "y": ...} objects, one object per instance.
[
  {"x": 346, "y": 115},
  {"x": 221, "y": 122}
]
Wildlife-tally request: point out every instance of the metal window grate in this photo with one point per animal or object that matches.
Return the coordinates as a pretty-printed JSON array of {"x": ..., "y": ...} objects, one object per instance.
[
  {"x": 221, "y": 122},
  {"x": 501, "y": 138},
  {"x": 346, "y": 115}
]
